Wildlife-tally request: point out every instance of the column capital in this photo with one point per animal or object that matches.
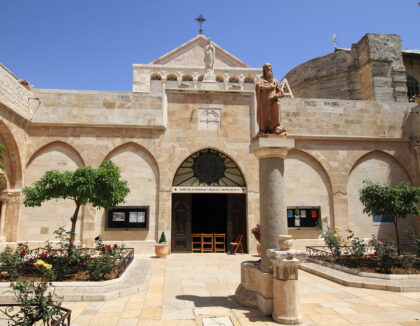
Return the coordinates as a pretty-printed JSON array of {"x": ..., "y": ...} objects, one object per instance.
[{"x": 275, "y": 146}]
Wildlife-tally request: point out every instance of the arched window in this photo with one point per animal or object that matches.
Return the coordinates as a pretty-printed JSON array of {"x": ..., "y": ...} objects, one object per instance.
[
  {"x": 412, "y": 87},
  {"x": 156, "y": 77},
  {"x": 249, "y": 80},
  {"x": 220, "y": 79},
  {"x": 208, "y": 168},
  {"x": 171, "y": 78},
  {"x": 187, "y": 78},
  {"x": 200, "y": 78},
  {"x": 233, "y": 80}
]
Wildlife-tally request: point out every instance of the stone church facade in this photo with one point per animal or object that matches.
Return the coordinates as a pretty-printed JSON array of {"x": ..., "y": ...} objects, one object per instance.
[{"x": 350, "y": 119}]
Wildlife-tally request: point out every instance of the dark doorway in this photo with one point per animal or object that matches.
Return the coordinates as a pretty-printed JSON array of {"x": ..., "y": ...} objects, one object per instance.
[{"x": 207, "y": 213}]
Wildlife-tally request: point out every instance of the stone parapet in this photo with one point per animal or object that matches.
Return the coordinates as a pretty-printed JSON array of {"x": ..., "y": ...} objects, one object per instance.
[{"x": 99, "y": 109}]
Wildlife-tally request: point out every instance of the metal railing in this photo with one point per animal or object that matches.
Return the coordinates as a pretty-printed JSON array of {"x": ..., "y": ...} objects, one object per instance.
[{"x": 12, "y": 313}]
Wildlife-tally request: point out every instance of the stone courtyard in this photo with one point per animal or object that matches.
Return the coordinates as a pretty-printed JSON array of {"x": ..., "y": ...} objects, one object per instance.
[{"x": 185, "y": 288}]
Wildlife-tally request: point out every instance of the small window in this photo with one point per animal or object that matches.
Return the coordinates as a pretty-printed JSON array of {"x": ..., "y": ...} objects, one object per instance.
[
  {"x": 412, "y": 87},
  {"x": 171, "y": 78},
  {"x": 249, "y": 80},
  {"x": 156, "y": 77},
  {"x": 187, "y": 78},
  {"x": 220, "y": 79},
  {"x": 233, "y": 80},
  {"x": 200, "y": 78},
  {"x": 128, "y": 218},
  {"x": 303, "y": 217},
  {"x": 381, "y": 219}
]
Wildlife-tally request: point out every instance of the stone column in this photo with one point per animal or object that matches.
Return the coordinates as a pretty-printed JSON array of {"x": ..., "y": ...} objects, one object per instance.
[{"x": 271, "y": 152}]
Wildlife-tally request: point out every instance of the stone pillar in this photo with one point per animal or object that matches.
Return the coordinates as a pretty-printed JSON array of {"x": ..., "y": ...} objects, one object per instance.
[
  {"x": 271, "y": 152},
  {"x": 286, "y": 297}
]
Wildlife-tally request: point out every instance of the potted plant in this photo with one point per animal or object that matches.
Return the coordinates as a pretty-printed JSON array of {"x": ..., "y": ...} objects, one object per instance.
[
  {"x": 235, "y": 87},
  {"x": 161, "y": 248},
  {"x": 256, "y": 231},
  {"x": 25, "y": 84},
  {"x": 184, "y": 85}
]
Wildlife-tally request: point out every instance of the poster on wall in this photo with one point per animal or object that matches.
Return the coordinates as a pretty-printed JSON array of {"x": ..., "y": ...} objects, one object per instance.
[
  {"x": 137, "y": 217},
  {"x": 302, "y": 213},
  {"x": 118, "y": 217}
]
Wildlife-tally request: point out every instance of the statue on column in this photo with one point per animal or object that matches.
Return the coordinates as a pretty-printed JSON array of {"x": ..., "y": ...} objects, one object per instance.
[
  {"x": 209, "y": 57},
  {"x": 268, "y": 92}
]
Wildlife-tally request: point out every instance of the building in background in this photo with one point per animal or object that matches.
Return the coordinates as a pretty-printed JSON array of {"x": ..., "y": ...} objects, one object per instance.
[{"x": 185, "y": 151}]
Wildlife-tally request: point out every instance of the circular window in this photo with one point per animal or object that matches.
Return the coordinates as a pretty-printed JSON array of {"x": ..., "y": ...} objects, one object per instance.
[{"x": 209, "y": 167}]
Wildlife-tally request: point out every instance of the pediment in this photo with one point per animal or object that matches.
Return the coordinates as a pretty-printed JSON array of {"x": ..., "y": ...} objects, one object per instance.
[{"x": 191, "y": 54}]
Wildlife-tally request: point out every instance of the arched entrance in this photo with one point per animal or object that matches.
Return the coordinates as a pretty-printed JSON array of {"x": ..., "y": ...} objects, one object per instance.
[{"x": 208, "y": 196}]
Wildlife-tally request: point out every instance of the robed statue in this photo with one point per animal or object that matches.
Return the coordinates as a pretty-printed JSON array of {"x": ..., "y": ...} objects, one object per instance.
[
  {"x": 209, "y": 57},
  {"x": 268, "y": 92}
]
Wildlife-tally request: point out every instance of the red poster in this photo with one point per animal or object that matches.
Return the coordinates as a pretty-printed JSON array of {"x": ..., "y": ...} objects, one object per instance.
[{"x": 313, "y": 213}]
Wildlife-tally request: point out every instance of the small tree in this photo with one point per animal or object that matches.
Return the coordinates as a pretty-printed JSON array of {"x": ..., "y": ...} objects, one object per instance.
[
  {"x": 399, "y": 201},
  {"x": 101, "y": 187}
]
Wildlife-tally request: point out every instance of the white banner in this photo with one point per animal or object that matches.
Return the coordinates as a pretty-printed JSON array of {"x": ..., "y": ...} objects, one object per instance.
[{"x": 207, "y": 190}]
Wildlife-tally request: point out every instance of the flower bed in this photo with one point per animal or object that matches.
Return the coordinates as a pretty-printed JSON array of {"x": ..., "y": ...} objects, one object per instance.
[
  {"x": 68, "y": 262},
  {"x": 370, "y": 262}
]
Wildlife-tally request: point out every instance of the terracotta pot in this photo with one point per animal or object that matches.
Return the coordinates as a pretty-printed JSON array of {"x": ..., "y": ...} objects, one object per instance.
[
  {"x": 259, "y": 248},
  {"x": 161, "y": 250},
  {"x": 417, "y": 99}
]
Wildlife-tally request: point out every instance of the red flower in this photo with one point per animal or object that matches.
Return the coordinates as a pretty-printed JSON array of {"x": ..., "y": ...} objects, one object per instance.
[
  {"x": 379, "y": 243},
  {"x": 110, "y": 250},
  {"x": 43, "y": 255},
  {"x": 88, "y": 256},
  {"x": 108, "y": 246},
  {"x": 411, "y": 246},
  {"x": 22, "y": 253},
  {"x": 375, "y": 252},
  {"x": 115, "y": 246},
  {"x": 81, "y": 264},
  {"x": 20, "y": 244},
  {"x": 103, "y": 249}
]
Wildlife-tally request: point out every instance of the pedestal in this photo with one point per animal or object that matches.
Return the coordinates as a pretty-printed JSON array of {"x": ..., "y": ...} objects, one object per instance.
[
  {"x": 209, "y": 82},
  {"x": 271, "y": 152}
]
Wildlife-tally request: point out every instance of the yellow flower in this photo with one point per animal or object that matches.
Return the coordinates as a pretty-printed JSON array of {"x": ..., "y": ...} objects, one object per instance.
[
  {"x": 324, "y": 217},
  {"x": 335, "y": 235},
  {"x": 39, "y": 262},
  {"x": 336, "y": 227},
  {"x": 47, "y": 266}
]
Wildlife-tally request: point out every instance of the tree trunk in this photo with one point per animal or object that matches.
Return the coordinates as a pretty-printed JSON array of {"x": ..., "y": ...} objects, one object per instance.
[
  {"x": 397, "y": 235},
  {"x": 73, "y": 222}
]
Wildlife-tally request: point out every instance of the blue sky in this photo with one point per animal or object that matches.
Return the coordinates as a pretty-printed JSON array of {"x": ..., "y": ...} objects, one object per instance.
[{"x": 92, "y": 44}]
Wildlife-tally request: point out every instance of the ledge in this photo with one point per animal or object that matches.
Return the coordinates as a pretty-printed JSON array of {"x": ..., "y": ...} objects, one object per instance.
[
  {"x": 132, "y": 281},
  {"x": 411, "y": 283}
]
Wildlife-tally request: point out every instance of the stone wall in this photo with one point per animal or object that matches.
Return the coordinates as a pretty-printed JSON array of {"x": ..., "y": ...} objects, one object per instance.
[
  {"x": 372, "y": 70},
  {"x": 85, "y": 108}
]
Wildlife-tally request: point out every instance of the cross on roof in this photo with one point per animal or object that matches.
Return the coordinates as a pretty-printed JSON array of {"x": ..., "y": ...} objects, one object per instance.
[{"x": 201, "y": 20}]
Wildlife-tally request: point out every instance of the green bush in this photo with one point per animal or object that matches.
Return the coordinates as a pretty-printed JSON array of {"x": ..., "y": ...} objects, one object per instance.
[{"x": 331, "y": 237}]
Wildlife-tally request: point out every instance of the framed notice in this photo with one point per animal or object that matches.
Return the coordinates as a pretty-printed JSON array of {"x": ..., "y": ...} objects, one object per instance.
[
  {"x": 303, "y": 216},
  {"x": 128, "y": 218}
]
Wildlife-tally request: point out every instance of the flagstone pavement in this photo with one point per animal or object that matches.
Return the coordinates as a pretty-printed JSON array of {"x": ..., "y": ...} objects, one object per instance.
[{"x": 182, "y": 288}]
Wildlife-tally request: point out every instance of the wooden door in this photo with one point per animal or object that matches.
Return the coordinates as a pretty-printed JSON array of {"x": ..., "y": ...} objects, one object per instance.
[
  {"x": 236, "y": 219},
  {"x": 181, "y": 223}
]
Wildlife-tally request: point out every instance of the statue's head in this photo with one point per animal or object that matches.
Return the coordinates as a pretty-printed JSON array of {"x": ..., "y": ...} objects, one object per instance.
[
  {"x": 208, "y": 41},
  {"x": 267, "y": 71}
]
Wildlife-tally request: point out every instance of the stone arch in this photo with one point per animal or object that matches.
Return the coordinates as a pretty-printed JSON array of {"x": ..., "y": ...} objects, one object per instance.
[
  {"x": 155, "y": 76},
  {"x": 376, "y": 166},
  {"x": 39, "y": 223},
  {"x": 11, "y": 158},
  {"x": 234, "y": 80},
  {"x": 307, "y": 183},
  {"x": 187, "y": 78},
  {"x": 140, "y": 169},
  {"x": 61, "y": 146},
  {"x": 227, "y": 159}
]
